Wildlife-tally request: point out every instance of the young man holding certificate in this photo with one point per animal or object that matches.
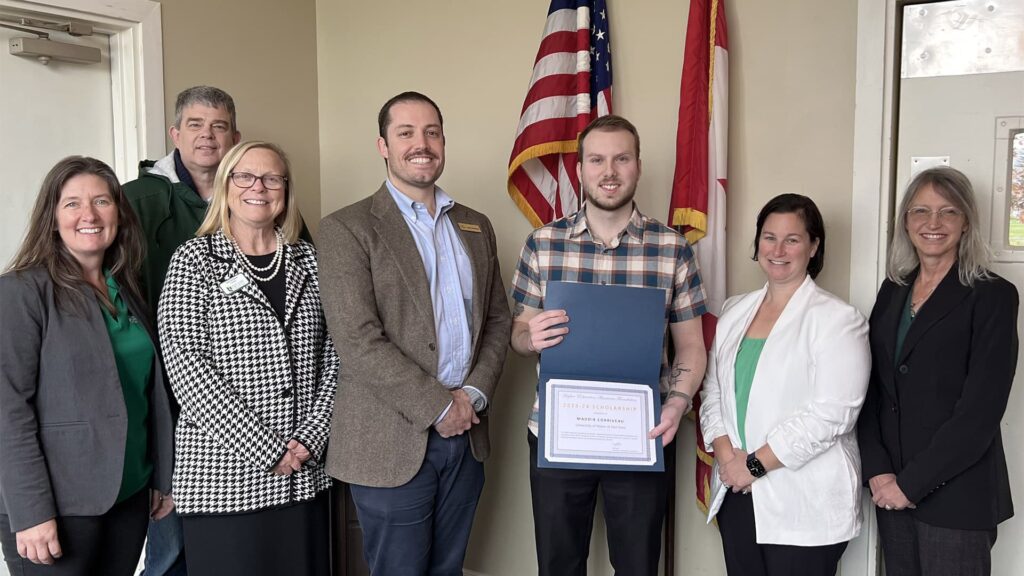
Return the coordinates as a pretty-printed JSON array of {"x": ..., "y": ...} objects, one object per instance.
[{"x": 608, "y": 242}]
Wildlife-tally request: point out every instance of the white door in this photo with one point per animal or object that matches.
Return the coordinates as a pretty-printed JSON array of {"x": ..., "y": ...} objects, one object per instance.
[
  {"x": 47, "y": 113},
  {"x": 962, "y": 98}
]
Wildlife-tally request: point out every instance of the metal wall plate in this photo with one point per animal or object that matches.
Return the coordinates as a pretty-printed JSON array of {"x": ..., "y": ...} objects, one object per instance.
[
  {"x": 962, "y": 37},
  {"x": 919, "y": 163}
]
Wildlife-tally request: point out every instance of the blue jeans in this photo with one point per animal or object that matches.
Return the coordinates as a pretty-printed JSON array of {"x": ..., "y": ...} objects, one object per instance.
[
  {"x": 165, "y": 547},
  {"x": 422, "y": 527}
]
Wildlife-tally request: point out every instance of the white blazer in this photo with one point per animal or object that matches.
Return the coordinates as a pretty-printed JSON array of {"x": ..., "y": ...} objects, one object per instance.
[{"x": 807, "y": 391}]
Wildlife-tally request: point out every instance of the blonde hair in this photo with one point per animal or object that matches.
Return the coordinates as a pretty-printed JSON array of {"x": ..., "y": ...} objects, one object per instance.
[
  {"x": 973, "y": 255},
  {"x": 218, "y": 213}
]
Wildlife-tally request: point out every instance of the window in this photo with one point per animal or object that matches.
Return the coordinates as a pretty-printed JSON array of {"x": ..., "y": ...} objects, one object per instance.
[
  {"x": 1006, "y": 234},
  {"x": 1015, "y": 226}
]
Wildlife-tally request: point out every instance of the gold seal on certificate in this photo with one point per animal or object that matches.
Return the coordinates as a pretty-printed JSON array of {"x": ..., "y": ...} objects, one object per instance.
[{"x": 598, "y": 424}]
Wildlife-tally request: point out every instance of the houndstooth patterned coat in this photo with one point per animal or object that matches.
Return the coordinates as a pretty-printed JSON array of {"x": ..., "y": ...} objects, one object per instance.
[{"x": 247, "y": 383}]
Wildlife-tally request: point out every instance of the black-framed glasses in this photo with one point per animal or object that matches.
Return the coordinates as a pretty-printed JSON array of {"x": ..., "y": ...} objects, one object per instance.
[
  {"x": 270, "y": 181},
  {"x": 924, "y": 214}
]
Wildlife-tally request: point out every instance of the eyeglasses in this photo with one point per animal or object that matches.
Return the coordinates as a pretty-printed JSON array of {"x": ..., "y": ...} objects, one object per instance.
[
  {"x": 923, "y": 214},
  {"x": 270, "y": 181}
]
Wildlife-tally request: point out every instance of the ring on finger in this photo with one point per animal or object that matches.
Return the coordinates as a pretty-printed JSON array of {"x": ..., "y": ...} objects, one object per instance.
[{"x": 888, "y": 507}]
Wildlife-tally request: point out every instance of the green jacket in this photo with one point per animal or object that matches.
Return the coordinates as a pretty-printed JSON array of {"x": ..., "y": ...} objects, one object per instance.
[{"x": 170, "y": 212}]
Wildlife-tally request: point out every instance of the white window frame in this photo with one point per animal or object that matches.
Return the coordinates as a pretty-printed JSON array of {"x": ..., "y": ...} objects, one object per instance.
[
  {"x": 1005, "y": 126},
  {"x": 136, "y": 69}
]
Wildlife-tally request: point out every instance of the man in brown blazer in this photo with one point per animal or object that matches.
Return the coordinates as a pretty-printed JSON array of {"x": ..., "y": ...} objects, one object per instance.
[{"x": 414, "y": 300}]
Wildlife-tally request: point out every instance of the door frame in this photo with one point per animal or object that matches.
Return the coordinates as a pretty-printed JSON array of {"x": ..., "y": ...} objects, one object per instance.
[
  {"x": 136, "y": 69},
  {"x": 874, "y": 138}
]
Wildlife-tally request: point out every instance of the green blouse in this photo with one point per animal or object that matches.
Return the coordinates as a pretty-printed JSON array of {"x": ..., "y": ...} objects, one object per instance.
[
  {"x": 906, "y": 319},
  {"x": 133, "y": 354},
  {"x": 746, "y": 364}
]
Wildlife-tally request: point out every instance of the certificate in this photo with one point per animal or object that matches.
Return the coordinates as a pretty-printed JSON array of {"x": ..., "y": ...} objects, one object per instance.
[
  {"x": 598, "y": 388},
  {"x": 599, "y": 424}
]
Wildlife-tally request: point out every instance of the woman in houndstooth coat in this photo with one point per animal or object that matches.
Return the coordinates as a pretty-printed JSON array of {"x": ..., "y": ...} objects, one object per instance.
[{"x": 255, "y": 371}]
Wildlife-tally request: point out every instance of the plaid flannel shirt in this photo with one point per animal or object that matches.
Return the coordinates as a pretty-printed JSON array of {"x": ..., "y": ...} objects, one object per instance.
[{"x": 646, "y": 254}]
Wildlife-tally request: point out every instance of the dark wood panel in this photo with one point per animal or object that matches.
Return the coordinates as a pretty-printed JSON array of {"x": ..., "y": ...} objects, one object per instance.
[{"x": 347, "y": 536}]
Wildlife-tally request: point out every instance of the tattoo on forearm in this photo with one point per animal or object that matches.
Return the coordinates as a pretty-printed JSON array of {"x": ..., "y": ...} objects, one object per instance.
[
  {"x": 518, "y": 310},
  {"x": 677, "y": 371}
]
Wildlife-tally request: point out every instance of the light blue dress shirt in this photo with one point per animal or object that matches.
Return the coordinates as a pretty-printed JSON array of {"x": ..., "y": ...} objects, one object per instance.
[{"x": 450, "y": 277}]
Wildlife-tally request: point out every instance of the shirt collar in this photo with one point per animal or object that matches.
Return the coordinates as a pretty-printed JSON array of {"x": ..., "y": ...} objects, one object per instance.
[
  {"x": 113, "y": 288},
  {"x": 111, "y": 281},
  {"x": 407, "y": 205},
  {"x": 184, "y": 176},
  {"x": 634, "y": 227}
]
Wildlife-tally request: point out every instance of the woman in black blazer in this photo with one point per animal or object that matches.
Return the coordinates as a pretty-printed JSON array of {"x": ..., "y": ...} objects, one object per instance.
[
  {"x": 85, "y": 424},
  {"x": 944, "y": 351}
]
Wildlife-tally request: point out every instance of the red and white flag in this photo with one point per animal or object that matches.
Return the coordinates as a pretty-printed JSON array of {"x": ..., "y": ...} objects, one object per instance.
[
  {"x": 571, "y": 85},
  {"x": 699, "y": 188}
]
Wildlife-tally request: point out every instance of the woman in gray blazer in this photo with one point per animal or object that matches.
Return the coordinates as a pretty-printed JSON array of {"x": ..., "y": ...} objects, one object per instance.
[{"x": 85, "y": 423}]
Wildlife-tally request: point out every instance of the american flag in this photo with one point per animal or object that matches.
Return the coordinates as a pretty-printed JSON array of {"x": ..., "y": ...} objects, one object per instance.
[{"x": 571, "y": 85}]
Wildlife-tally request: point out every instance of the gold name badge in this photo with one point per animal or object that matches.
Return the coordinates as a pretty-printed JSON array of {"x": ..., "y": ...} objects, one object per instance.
[{"x": 466, "y": 227}]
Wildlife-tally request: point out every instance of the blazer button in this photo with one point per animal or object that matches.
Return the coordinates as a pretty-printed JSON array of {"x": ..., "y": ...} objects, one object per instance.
[
  {"x": 904, "y": 369},
  {"x": 287, "y": 393},
  {"x": 895, "y": 408},
  {"x": 432, "y": 346}
]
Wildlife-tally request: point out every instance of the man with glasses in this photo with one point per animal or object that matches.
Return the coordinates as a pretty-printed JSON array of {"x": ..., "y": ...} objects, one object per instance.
[{"x": 413, "y": 296}]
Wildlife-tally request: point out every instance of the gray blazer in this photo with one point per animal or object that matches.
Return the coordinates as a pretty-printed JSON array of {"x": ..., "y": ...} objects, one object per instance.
[
  {"x": 62, "y": 414},
  {"x": 376, "y": 298}
]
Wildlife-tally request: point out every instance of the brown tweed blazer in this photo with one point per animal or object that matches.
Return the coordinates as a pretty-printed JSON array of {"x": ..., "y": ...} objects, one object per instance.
[{"x": 376, "y": 299}]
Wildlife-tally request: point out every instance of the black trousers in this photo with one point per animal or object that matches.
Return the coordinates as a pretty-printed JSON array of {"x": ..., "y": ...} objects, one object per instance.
[
  {"x": 563, "y": 516},
  {"x": 292, "y": 540},
  {"x": 745, "y": 557},
  {"x": 913, "y": 548},
  {"x": 109, "y": 544}
]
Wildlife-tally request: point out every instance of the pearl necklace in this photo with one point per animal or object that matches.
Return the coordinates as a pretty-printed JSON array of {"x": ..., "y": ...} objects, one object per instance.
[{"x": 275, "y": 263}]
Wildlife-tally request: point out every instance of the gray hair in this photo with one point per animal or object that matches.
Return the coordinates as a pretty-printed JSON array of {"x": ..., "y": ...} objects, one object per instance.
[
  {"x": 208, "y": 96},
  {"x": 973, "y": 252}
]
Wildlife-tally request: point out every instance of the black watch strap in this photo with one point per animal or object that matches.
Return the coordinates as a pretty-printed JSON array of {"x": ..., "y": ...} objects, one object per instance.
[{"x": 754, "y": 466}]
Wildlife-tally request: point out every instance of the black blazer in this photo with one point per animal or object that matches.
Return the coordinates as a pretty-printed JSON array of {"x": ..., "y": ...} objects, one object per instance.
[
  {"x": 62, "y": 413},
  {"x": 933, "y": 417}
]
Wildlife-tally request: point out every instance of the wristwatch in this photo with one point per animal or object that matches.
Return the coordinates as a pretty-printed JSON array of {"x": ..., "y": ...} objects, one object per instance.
[
  {"x": 754, "y": 466},
  {"x": 476, "y": 398}
]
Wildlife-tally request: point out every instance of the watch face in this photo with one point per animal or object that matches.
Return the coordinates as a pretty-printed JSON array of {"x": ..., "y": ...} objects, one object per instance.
[{"x": 755, "y": 467}]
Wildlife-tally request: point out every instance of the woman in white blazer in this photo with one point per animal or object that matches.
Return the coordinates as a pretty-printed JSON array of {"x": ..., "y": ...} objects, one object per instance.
[{"x": 786, "y": 378}]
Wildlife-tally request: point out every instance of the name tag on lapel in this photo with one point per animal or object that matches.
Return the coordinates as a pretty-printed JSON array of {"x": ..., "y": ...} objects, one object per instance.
[
  {"x": 466, "y": 227},
  {"x": 234, "y": 284}
]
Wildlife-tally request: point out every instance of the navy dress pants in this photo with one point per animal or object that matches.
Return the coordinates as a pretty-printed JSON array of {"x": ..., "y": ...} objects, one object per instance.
[{"x": 423, "y": 526}]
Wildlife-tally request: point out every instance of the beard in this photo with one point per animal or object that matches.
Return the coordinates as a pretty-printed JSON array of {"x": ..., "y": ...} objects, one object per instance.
[{"x": 610, "y": 204}]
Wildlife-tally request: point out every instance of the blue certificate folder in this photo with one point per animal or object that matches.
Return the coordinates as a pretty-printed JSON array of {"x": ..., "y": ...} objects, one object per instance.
[{"x": 616, "y": 334}]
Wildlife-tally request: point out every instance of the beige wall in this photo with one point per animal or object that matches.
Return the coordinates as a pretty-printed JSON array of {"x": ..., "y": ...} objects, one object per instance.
[
  {"x": 791, "y": 130},
  {"x": 263, "y": 53}
]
